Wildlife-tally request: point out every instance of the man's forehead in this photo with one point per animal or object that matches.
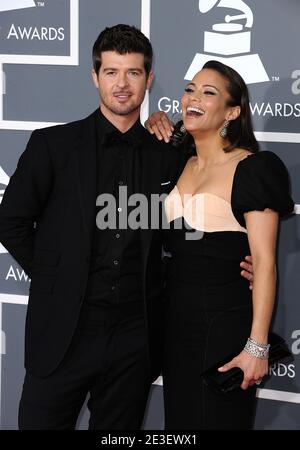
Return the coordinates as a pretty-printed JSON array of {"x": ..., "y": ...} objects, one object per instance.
[{"x": 122, "y": 58}]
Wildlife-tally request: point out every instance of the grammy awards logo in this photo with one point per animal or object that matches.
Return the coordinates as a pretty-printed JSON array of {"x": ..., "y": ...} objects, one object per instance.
[
  {"x": 232, "y": 41},
  {"x": 4, "y": 180},
  {"x": 9, "y": 5}
]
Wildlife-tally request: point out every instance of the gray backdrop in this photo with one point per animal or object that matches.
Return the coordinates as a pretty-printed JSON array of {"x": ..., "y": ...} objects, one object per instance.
[{"x": 45, "y": 64}]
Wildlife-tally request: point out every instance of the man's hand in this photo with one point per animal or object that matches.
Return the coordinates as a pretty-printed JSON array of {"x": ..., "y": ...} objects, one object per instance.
[
  {"x": 247, "y": 271},
  {"x": 160, "y": 125}
]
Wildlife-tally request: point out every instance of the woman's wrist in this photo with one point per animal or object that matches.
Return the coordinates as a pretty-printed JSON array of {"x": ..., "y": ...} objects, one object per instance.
[
  {"x": 257, "y": 349},
  {"x": 262, "y": 340}
]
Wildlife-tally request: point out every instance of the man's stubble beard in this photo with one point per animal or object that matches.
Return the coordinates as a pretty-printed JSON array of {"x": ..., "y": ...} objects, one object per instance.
[
  {"x": 121, "y": 111},
  {"x": 125, "y": 112}
]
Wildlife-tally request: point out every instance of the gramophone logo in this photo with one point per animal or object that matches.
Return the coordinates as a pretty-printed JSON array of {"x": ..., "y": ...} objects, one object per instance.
[
  {"x": 9, "y": 5},
  {"x": 4, "y": 180},
  {"x": 230, "y": 40}
]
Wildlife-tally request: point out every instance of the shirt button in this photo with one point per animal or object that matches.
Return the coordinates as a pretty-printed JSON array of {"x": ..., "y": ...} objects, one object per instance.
[
  {"x": 118, "y": 236},
  {"x": 121, "y": 183},
  {"x": 119, "y": 209},
  {"x": 116, "y": 262},
  {"x": 113, "y": 288}
]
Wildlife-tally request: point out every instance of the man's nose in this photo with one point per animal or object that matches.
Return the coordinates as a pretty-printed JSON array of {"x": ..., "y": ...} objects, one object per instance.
[{"x": 122, "y": 80}]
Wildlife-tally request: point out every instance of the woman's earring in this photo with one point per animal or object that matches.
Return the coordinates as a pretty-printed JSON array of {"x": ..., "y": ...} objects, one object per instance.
[
  {"x": 223, "y": 132},
  {"x": 182, "y": 129}
]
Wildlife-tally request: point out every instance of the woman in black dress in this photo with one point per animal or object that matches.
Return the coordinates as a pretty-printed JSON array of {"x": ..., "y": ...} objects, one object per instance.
[{"x": 229, "y": 198}]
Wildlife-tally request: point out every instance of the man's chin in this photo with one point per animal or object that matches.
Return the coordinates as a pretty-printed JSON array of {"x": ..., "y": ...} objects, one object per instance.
[{"x": 124, "y": 111}]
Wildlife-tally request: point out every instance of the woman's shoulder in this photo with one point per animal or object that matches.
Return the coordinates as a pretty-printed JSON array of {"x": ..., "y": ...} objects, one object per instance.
[
  {"x": 266, "y": 160},
  {"x": 261, "y": 168},
  {"x": 261, "y": 181}
]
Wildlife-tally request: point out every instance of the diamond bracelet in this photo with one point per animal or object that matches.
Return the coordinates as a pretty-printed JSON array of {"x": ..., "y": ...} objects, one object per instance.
[{"x": 258, "y": 350}]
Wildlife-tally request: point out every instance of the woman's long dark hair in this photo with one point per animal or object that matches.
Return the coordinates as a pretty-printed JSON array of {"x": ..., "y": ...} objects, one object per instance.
[{"x": 240, "y": 131}]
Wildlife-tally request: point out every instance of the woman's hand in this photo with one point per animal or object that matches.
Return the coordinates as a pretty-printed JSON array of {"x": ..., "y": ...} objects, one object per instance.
[
  {"x": 254, "y": 368},
  {"x": 160, "y": 125},
  {"x": 247, "y": 271}
]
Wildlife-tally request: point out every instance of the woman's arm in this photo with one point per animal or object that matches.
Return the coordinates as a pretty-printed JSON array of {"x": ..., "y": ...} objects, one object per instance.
[{"x": 262, "y": 229}]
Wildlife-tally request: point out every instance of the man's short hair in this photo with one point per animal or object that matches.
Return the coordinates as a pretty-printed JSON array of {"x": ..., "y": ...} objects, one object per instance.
[{"x": 122, "y": 39}]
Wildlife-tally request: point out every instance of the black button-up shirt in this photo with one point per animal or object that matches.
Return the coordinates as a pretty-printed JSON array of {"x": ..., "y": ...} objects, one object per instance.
[{"x": 116, "y": 266}]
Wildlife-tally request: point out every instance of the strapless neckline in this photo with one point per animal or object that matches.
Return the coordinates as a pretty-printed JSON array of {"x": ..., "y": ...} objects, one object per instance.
[
  {"x": 191, "y": 196},
  {"x": 202, "y": 211}
]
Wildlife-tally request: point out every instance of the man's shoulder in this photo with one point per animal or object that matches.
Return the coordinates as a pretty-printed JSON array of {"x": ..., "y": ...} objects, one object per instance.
[
  {"x": 61, "y": 141},
  {"x": 66, "y": 129}
]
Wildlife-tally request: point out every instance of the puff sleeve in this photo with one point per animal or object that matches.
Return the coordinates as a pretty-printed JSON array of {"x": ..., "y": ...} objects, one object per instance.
[{"x": 261, "y": 181}]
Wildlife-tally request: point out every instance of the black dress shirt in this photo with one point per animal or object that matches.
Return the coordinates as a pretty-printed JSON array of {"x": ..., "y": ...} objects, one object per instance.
[{"x": 115, "y": 269}]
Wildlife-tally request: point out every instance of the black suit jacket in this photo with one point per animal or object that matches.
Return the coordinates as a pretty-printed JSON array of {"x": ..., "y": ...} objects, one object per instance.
[{"x": 47, "y": 218}]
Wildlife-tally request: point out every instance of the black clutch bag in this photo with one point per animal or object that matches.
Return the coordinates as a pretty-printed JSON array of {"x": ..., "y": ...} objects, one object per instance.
[{"x": 226, "y": 382}]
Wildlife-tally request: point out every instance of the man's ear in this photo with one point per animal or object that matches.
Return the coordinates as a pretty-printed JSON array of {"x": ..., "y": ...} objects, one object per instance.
[
  {"x": 95, "y": 78},
  {"x": 150, "y": 79}
]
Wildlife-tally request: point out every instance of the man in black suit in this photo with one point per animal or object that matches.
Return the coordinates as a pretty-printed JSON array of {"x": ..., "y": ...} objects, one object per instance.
[
  {"x": 93, "y": 319},
  {"x": 94, "y": 313}
]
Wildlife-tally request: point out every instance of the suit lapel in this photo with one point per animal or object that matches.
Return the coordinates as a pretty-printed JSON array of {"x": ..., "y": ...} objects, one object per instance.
[
  {"x": 151, "y": 169},
  {"x": 150, "y": 184},
  {"x": 87, "y": 174}
]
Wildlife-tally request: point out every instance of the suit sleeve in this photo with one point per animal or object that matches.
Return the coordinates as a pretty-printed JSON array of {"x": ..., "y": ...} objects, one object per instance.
[{"x": 24, "y": 200}]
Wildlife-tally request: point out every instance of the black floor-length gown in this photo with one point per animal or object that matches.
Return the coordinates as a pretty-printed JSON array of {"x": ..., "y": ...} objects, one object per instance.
[{"x": 209, "y": 304}]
